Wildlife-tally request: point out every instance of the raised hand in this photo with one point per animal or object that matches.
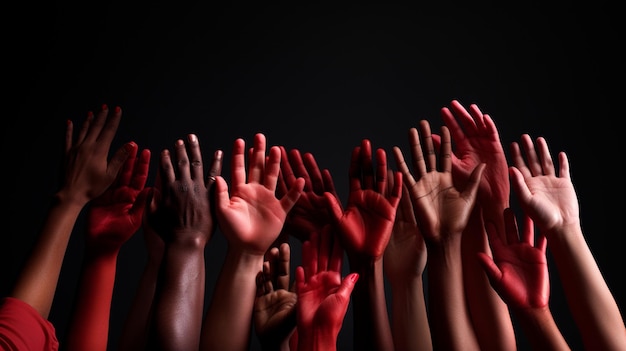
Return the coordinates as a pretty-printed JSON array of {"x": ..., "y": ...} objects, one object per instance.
[
  {"x": 275, "y": 303},
  {"x": 442, "y": 212},
  {"x": 184, "y": 220},
  {"x": 404, "y": 263},
  {"x": 112, "y": 219},
  {"x": 440, "y": 209},
  {"x": 323, "y": 296},
  {"x": 310, "y": 213},
  {"x": 518, "y": 271},
  {"x": 550, "y": 200},
  {"x": 547, "y": 197},
  {"x": 251, "y": 218},
  {"x": 366, "y": 223},
  {"x": 477, "y": 141},
  {"x": 364, "y": 228},
  {"x": 184, "y": 210},
  {"x": 87, "y": 170},
  {"x": 117, "y": 214},
  {"x": 87, "y": 173},
  {"x": 405, "y": 255}
]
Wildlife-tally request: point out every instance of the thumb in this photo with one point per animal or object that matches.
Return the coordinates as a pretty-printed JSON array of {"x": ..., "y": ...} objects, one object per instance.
[
  {"x": 347, "y": 285},
  {"x": 139, "y": 205},
  {"x": 119, "y": 158},
  {"x": 222, "y": 197},
  {"x": 289, "y": 200},
  {"x": 489, "y": 266},
  {"x": 471, "y": 189}
]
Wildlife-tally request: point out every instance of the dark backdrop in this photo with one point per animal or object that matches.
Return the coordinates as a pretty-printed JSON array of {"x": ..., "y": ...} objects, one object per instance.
[{"x": 317, "y": 78}]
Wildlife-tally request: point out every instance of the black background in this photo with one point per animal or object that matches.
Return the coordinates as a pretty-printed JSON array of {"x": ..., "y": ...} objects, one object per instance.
[{"x": 314, "y": 77}]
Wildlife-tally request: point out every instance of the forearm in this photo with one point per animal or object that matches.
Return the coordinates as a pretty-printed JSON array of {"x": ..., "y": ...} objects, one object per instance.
[
  {"x": 489, "y": 314},
  {"x": 39, "y": 277},
  {"x": 232, "y": 304},
  {"x": 135, "y": 333},
  {"x": 89, "y": 326},
  {"x": 371, "y": 319},
  {"x": 179, "y": 299},
  {"x": 591, "y": 302},
  {"x": 409, "y": 319},
  {"x": 541, "y": 329},
  {"x": 450, "y": 323}
]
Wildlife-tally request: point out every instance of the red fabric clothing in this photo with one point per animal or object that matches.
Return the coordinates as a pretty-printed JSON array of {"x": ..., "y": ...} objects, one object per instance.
[{"x": 22, "y": 328}]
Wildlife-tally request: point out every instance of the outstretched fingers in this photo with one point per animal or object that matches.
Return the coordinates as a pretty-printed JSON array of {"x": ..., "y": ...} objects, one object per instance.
[
  {"x": 381, "y": 172},
  {"x": 532, "y": 160},
  {"x": 182, "y": 161},
  {"x": 105, "y": 126},
  {"x": 547, "y": 165},
  {"x": 428, "y": 147},
  {"x": 257, "y": 160},
  {"x": 195, "y": 158},
  {"x": 417, "y": 154},
  {"x": 272, "y": 169},
  {"x": 141, "y": 170},
  {"x": 238, "y": 164},
  {"x": 403, "y": 167},
  {"x": 216, "y": 167},
  {"x": 445, "y": 153},
  {"x": 471, "y": 188}
]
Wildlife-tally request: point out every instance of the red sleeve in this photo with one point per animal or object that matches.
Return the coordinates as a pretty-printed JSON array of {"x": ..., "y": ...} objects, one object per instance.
[{"x": 23, "y": 328}]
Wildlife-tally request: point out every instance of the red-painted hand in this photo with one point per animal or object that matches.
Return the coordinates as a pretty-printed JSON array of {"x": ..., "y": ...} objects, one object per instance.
[
  {"x": 116, "y": 215},
  {"x": 365, "y": 225},
  {"x": 519, "y": 268}
]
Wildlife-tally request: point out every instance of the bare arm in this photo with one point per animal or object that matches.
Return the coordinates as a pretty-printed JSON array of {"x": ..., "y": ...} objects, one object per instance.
[
  {"x": 185, "y": 222},
  {"x": 365, "y": 228},
  {"x": 87, "y": 174},
  {"x": 518, "y": 271},
  {"x": 251, "y": 219},
  {"x": 442, "y": 212},
  {"x": 404, "y": 263},
  {"x": 550, "y": 200},
  {"x": 112, "y": 219},
  {"x": 477, "y": 141}
]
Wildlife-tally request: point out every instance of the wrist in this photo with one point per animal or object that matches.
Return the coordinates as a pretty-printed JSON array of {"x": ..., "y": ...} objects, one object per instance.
[
  {"x": 564, "y": 232},
  {"x": 188, "y": 239},
  {"x": 531, "y": 311},
  {"x": 401, "y": 288},
  {"x": 244, "y": 261},
  {"x": 67, "y": 197},
  {"x": 446, "y": 252},
  {"x": 445, "y": 243},
  {"x": 67, "y": 204}
]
